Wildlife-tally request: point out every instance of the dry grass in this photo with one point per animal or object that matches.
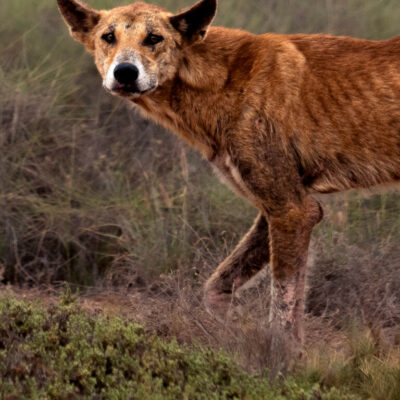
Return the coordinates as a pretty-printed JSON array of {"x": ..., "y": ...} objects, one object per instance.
[
  {"x": 171, "y": 306},
  {"x": 87, "y": 186}
]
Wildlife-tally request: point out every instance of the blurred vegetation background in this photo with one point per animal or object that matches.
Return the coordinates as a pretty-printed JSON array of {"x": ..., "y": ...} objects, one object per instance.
[{"x": 93, "y": 194}]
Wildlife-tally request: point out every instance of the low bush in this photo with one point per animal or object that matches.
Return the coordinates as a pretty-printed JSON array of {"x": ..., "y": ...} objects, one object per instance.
[{"x": 63, "y": 353}]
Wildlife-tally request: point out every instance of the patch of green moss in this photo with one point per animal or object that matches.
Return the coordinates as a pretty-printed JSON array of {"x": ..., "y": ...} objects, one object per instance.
[{"x": 61, "y": 352}]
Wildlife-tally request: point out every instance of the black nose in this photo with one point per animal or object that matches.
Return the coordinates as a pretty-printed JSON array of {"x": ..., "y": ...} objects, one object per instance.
[{"x": 126, "y": 73}]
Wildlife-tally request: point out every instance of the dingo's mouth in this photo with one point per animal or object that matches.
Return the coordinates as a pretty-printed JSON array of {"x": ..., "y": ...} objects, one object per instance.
[{"x": 129, "y": 90}]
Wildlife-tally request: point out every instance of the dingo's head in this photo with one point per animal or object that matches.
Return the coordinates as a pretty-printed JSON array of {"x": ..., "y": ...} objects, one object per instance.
[{"x": 136, "y": 47}]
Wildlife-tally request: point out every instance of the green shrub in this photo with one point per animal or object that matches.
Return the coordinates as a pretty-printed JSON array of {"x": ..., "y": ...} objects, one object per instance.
[{"x": 63, "y": 353}]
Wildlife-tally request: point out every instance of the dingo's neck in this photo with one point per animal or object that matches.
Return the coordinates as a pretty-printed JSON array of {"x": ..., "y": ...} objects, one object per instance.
[{"x": 201, "y": 103}]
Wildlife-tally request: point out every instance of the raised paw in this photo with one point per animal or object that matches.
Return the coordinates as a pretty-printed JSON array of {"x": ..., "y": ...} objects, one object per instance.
[{"x": 217, "y": 304}]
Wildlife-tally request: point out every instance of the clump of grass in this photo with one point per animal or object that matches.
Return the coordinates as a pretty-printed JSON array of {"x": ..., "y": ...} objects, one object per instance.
[
  {"x": 62, "y": 352},
  {"x": 363, "y": 365}
]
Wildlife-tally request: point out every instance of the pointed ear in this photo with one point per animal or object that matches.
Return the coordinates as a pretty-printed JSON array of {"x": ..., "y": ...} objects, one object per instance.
[
  {"x": 81, "y": 19},
  {"x": 193, "y": 23}
]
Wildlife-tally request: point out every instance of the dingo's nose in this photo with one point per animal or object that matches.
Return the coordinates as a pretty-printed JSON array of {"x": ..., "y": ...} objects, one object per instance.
[{"x": 126, "y": 73}]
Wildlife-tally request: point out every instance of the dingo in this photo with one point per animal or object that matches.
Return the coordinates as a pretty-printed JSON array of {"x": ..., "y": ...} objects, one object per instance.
[{"x": 280, "y": 116}]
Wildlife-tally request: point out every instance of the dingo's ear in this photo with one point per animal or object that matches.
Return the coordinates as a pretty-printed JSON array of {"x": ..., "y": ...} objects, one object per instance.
[
  {"x": 81, "y": 19},
  {"x": 193, "y": 23}
]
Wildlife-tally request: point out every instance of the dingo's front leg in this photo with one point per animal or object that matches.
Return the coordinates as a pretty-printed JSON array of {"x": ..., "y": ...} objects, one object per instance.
[
  {"x": 271, "y": 174},
  {"x": 290, "y": 236}
]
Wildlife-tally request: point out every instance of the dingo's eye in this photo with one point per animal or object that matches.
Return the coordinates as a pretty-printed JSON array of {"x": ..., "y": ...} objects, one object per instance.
[
  {"x": 152, "y": 39},
  {"x": 109, "y": 37}
]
